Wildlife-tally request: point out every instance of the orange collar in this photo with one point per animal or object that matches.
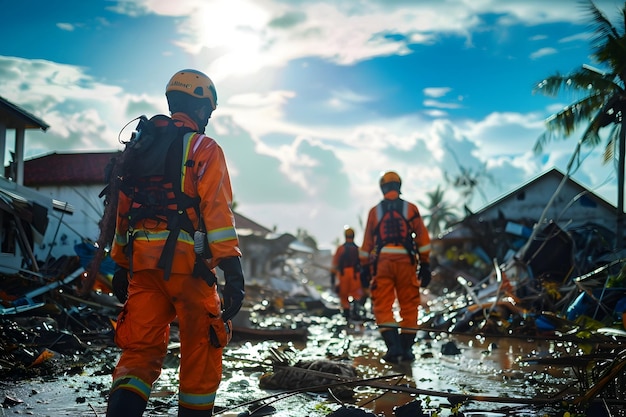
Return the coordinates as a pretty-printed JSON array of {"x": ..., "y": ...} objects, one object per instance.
[{"x": 186, "y": 120}]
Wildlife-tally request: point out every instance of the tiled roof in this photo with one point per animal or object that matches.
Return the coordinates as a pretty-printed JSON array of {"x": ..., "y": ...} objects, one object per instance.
[
  {"x": 242, "y": 222},
  {"x": 67, "y": 168}
]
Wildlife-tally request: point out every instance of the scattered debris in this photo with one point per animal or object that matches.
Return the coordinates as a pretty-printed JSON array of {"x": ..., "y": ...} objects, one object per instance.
[{"x": 565, "y": 286}]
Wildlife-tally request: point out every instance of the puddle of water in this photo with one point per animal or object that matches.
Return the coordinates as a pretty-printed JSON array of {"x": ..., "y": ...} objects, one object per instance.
[{"x": 483, "y": 367}]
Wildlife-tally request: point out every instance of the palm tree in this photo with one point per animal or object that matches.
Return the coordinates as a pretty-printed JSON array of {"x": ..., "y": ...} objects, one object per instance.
[
  {"x": 603, "y": 100},
  {"x": 441, "y": 214},
  {"x": 467, "y": 181}
]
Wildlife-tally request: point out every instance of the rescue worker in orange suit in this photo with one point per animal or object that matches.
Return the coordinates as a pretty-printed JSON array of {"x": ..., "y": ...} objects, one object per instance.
[
  {"x": 346, "y": 274},
  {"x": 396, "y": 252},
  {"x": 157, "y": 297}
]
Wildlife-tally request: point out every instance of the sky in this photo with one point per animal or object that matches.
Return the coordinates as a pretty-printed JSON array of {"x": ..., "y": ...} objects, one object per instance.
[{"x": 316, "y": 98}]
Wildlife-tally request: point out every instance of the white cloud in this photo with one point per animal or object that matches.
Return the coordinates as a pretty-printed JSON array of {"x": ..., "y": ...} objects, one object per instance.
[
  {"x": 440, "y": 104},
  {"x": 314, "y": 166},
  {"x": 543, "y": 52},
  {"x": 436, "y": 92},
  {"x": 344, "y": 99},
  {"x": 245, "y": 36},
  {"x": 66, "y": 26}
]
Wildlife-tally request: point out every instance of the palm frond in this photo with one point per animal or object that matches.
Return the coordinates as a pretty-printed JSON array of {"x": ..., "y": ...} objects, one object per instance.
[
  {"x": 564, "y": 123},
  {"x": 601, "y": 25},
  {"x": 551, "y": 85},
  {"x": 590, "y": 137},
  {"x": 584, "y": 80},
  {"x": 612, "y": 143},
  {"x": 542, "y": 141},
  {"x": 613, "y": 54},
  {"x": 568, "y": 119},
  {"x": 609, "y": 152}
]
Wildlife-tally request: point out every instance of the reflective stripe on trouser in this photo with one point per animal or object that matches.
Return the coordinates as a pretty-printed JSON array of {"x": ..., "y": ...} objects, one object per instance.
[
  {"x": 349, "y": 286},
  {"x": 395, "y": 278},
  {"x": 143, "y": 334}
]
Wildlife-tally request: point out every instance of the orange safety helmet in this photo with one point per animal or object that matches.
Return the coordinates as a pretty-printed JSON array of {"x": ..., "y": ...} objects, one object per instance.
[
  {"x": 348, "y": 232},
  {"x": 195, "y": 83},
  {"x": 390, "y": 180}
]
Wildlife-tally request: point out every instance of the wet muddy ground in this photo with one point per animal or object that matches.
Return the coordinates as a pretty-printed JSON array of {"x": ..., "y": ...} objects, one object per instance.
[{"x": 467, "y": 365}]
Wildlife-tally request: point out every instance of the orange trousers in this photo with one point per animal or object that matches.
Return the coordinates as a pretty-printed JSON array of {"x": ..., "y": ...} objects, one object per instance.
[
  {"x": 349, "y": 286},
  {"x": 143, "y": 335},
  {"x": 395, "y": 279}
]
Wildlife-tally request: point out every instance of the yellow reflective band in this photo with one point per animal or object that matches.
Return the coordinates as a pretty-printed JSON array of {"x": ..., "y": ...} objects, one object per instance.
[
  {"x": 221, "y": 235},
  {"x": 187, "y": 139},
  {"x": 425, "y": 248},
  {"x": 363, "y": 254},
  {"x": 134, "y": 384},
  {"x": 203, "y": 400},
  {"x": 142, "y": 234},
  {"x": 393, "y": 249}
]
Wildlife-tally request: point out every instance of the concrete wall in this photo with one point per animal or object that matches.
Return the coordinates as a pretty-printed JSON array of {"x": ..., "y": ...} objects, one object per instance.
[{"x": 66, "y": 231}]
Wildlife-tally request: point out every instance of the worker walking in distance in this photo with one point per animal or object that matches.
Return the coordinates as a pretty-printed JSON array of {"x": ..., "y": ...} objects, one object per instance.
[
  {"x": 345, "y": 277},
  {"x": 396, "y": 253},
  {"x": 174, "y": 226}
]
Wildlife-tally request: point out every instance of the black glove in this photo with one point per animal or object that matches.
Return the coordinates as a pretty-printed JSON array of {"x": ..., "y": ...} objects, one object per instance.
[
  {"x": 424, "y": 274},
  {"x": 233, "y": 292},
  {"x": 119, "y": 284},
  {"x": 332, "y": 280},
  {"x": 366, "y": 276}
]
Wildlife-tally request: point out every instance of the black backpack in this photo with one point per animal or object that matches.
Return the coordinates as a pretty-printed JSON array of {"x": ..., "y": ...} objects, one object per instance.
[
  {"x": 349, "y": 257},
  {"x": 394, "y": 228},
  {"x": 148, "y": 171}
]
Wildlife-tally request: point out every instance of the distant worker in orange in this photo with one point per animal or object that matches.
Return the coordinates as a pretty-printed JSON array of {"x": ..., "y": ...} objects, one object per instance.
[
  {"x": 346, "y": 274},
  {"x": 174, "y": 227},
  {"x": 396, "y": 252}
]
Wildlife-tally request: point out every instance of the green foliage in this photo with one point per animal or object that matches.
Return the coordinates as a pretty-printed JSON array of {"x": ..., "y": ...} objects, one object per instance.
[
  {"x": 600, "y": 103},
  {"x": 440, "y": 214}
]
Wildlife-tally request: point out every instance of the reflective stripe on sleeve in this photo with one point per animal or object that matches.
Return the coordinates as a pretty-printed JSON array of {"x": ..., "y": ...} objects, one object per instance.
[
  {"x": 221, "y": 235},
  {"x": 425, "y": 248}
]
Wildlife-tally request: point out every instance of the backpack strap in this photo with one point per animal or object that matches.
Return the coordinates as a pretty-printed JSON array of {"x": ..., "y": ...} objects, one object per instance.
[{"x": 160, "y": 153}]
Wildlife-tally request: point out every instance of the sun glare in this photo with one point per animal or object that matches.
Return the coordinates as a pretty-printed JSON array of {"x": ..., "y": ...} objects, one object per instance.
[{"x": 236, "y": 27}]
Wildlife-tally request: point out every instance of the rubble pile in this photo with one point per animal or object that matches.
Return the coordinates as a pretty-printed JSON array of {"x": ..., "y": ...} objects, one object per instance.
[{"x": 490, "y": 280}]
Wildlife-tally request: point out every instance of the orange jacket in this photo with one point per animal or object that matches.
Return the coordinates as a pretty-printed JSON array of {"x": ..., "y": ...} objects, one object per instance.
[
  {"x": 207, "y": 178},
  {"x": 341, "y": 249},
  {"x": 422, "y": 239}
]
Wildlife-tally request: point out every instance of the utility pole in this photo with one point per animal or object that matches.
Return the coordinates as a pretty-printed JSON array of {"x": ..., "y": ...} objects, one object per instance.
[{"x": 619, "y": 231}]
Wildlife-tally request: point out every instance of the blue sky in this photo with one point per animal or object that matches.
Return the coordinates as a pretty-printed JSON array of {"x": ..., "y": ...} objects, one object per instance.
[{"x": 315, "y": 98}]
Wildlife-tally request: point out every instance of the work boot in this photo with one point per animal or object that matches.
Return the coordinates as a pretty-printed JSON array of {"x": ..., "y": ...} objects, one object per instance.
[
  {"x": 354, "y": 311},
  {"x": 125, "y": 403},
  {"x": 188, "y": 412},
  {"x": 394, "y": 348},
  {"x": 406, "y": 341}
]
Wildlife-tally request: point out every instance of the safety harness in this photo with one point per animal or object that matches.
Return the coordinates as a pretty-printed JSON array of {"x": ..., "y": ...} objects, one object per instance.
[
  {"x": 394, "y": 227},
  {"x": 152, "y": 178}
]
